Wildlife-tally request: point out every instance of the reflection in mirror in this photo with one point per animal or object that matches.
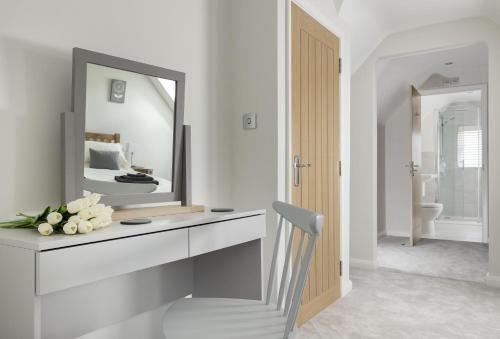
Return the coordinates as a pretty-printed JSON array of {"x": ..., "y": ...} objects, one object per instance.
[{"x": 129, "y": 132}]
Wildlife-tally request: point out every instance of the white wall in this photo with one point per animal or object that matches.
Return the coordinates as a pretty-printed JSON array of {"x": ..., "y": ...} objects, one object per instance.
[
  {"x": 363, "y": 168},
  {"x": 254, "y": 71},
  {"x": 397, "y": 180},
  {"x": 381, "y": 197},
  {"x": 35, "y": 53},
  {"x": 144, "y": 109},
  {"x": 467, "y": 31}
]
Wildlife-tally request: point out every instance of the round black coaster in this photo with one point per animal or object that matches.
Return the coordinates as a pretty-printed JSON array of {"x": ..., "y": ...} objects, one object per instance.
[
  {"x": 135, "y": 222},
  {"x": 222, "y": 209}
]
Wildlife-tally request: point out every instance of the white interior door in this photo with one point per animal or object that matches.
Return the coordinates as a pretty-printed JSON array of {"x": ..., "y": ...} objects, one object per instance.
[{"x": 415, "y": 165}]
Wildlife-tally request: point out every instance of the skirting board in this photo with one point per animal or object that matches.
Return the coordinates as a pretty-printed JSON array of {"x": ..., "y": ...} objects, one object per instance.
[
  {"x": 447, "y": 231},
  {"x": 364, "y": 264},
  {"x": 132, "y": 213},
  {"x": 397, "y": 234},
  {"x": 493, "y": 280},
  {"x": 382, "y": 234},
  {"x": 346, "y": 288}
]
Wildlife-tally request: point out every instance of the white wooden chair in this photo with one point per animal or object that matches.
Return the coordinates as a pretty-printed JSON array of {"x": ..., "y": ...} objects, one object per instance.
[{"x": 214, "y": 318}]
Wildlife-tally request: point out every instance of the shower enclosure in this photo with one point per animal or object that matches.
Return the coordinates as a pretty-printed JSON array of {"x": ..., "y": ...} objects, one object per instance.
[{"x": 460, "y": 162}]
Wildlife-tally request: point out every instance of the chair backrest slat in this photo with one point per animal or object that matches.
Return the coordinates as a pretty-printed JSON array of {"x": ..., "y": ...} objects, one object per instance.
[
  {"x": 299, "y": 289},
  {"x": 285, "y": 270},
  {"x": 293, "y": 279},
  {"x": 310, "y": 225},
  {"x": 273, "y": 263}
]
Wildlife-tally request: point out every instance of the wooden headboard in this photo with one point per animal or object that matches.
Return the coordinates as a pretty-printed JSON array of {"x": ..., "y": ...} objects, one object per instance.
[{"x": 102, "y": 137}]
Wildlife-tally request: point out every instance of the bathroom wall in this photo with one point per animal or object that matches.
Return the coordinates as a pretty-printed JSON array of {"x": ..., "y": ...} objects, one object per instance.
[{"x": 430, "y": 115}]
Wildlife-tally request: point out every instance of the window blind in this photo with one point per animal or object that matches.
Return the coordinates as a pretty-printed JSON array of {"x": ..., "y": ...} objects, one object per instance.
[{"x": 469, "y": 147}]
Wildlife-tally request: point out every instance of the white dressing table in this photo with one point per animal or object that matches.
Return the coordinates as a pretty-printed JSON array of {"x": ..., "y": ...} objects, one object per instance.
[{"x": 65, "y": 286}]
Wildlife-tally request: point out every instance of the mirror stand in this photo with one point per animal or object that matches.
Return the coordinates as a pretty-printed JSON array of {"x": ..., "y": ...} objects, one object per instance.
[{"x": 186, "y": 166}]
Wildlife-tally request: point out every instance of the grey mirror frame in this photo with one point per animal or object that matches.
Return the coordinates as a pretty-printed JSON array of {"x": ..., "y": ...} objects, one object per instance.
[{"x": 74, "y": 129}]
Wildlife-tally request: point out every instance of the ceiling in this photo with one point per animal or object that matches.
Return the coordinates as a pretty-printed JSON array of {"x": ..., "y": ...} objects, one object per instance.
[
  {"x": 396, "y": 75},
  {"x": 371, "y": 21}
]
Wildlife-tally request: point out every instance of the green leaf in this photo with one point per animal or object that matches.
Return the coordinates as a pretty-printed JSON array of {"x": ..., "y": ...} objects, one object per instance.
[
  {"x": 20, "y": 223},
  {"x": 62, "y": 209},
  {"x": 45, "y": 213}
]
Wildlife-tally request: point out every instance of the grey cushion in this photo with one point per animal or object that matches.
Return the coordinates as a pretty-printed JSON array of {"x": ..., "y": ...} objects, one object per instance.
[{"x": 104, "y": 159}]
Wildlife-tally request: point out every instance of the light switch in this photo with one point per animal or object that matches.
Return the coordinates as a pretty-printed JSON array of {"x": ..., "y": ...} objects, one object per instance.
[{"x": 250, "y": 121}]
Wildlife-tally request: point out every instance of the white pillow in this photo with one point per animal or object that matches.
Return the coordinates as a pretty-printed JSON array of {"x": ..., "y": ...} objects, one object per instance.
[{"x": 106, "y": 146}]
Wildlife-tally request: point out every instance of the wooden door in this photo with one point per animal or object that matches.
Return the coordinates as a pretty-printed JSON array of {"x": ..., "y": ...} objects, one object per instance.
[
  {"x": 316, "y": 151},
  {"x": 415, "y": 166}
]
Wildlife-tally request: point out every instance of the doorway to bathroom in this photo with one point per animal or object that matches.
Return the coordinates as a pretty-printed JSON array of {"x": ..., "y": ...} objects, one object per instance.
[
  {"x": 454, "y": 164},
  {"x": 433, "y": 193}
]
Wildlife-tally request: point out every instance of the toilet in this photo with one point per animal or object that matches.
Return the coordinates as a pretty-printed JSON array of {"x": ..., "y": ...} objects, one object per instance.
[{"x": 430, "y": 212}]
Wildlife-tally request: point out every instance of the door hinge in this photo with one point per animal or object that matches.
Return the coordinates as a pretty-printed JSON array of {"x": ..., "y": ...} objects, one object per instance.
[
  {"x": 341, "y": 268},
  {"x": 340, "y": 65},
  {"x": 340, "y": 168}
]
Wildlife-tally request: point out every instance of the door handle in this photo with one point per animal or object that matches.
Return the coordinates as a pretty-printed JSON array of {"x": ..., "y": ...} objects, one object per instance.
[
  {"x": 413, "y": 168},
  {"x": 297, "y": 166}
]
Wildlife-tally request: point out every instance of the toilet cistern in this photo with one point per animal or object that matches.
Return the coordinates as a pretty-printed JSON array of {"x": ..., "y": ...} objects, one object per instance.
[{"x": 425, "y": 179}]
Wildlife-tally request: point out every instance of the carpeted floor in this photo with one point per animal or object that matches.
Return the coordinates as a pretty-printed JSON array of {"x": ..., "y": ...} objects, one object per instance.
[
  {"x": 392, "y": 305},
  {"x": 438, "y": 258}
]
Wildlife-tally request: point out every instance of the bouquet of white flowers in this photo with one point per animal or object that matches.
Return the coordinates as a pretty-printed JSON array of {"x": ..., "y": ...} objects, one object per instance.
[{"x": 80, "y": 216}]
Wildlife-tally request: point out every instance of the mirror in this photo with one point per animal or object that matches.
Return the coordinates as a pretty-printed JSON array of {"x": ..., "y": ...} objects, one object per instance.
[
  {"x": 128, "y": 121},
  {"x": 129, "y": 132}
]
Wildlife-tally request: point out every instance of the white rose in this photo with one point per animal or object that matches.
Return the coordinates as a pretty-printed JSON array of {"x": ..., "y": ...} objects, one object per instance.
[
  {"x": 97, "y": 209},
  {"x": 84, "y": 227},
  {"x": 106, "y": 221},
  {"x": 54, "y": 218},
  {"x": 75, "y": 206},
  {"x": 45, "y": 229},
  {"x": 86, "y": 214},
  {"x": 101, "y": 221},
  {"x": 96, "y": 223},
  {"x": 108, "y": 211},
  {"x": 70, "y": 228},
  {"x": 75, "y": 218},
  {"x": 85, "y": 202},
  {"x": 94, "y": 198}
]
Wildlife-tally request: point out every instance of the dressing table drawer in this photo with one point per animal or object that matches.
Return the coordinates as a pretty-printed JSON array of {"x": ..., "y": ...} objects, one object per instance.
[
  {"x": 73, "y": 266},
  {"x": 212, "y": 237}
]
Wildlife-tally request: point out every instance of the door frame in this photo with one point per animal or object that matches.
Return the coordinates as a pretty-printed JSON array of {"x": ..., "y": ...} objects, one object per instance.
[
  {"x": 344, "y": 116},
  {"x": 484, "y": 121}
]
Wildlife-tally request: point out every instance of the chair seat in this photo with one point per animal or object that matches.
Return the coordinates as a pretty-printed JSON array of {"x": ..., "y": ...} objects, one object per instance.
[{"x": 213, "y": 318}]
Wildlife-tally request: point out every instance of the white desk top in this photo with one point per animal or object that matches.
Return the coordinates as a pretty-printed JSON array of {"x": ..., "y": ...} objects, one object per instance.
[{"x": 31, "y": 239}]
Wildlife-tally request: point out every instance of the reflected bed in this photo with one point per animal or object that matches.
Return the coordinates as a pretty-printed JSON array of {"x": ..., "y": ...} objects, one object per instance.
[{"x": 101, "y": 180}]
